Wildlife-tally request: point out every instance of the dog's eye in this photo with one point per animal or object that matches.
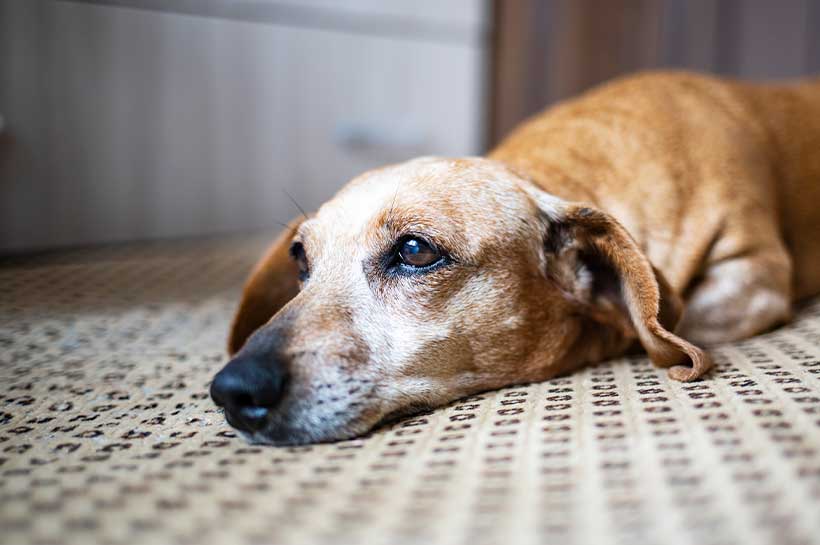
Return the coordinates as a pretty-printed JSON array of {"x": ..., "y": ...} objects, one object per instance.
[
  {"x": 297, "y": 252},
  {"x": 415, "y": 252}
]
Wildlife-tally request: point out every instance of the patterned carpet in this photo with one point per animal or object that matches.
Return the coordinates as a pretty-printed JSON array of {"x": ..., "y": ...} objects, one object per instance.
[{"x": 107, "y": 434}]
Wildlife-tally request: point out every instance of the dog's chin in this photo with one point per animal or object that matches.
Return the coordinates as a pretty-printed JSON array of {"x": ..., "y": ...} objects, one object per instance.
[
  {"x": 261, "y": 438},
  {"x": 282, "y": 436},
  {"x": 288, "y": 436}
]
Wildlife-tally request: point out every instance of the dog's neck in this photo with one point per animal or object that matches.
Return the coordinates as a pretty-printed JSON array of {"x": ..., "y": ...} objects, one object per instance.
[{"x": 589, "y": 342}]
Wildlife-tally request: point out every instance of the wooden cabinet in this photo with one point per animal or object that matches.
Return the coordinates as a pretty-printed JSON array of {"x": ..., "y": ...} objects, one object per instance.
[
  {"x": 188, "y": 118},
  {"x": 548, "y": 50}
]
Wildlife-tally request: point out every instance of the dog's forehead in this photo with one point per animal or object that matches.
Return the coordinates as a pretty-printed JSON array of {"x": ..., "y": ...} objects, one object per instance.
[{"x": 429, "y": 189}]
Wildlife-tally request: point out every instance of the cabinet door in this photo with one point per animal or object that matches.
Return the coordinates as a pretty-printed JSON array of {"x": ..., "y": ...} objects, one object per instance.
[{"x": 124, "y": 124}]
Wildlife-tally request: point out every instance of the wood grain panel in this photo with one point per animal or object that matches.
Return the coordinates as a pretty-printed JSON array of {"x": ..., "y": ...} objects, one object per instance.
[{"x": 579, "y": 43}]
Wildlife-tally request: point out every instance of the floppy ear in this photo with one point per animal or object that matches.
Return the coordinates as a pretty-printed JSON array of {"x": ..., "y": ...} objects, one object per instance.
[
  {"x": 272, "y": 283},
  {"x": 598, "y": 265}
]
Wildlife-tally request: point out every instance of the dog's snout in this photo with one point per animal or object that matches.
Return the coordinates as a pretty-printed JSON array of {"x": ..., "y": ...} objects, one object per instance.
[{"x": 248, "y": 388}]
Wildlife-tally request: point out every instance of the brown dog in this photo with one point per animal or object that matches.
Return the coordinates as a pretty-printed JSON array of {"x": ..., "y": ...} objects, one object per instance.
[{"x": 657, "y": 203}]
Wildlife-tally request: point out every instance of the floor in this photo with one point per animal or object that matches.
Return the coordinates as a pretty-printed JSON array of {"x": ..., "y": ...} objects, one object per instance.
[{"x": 107, "y": 434}]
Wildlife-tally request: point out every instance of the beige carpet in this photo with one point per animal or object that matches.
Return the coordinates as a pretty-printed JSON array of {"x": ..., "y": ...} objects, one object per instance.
[{"x": 107, "y": 434}]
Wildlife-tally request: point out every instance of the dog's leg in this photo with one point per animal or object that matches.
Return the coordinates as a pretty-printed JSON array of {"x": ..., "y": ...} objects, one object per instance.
[{"x": 739, "y": 296}]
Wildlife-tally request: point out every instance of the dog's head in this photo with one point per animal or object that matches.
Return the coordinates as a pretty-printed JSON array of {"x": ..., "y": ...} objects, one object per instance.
[{"x": 424, "y": 282}]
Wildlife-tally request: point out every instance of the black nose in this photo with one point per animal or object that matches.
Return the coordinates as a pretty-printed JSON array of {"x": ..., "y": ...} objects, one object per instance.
[{"x": 249, "y": 387}]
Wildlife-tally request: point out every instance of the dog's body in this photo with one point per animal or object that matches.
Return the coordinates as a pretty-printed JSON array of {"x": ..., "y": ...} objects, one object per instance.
[
  {"x": 717, "y": 181},
  {"x": 656, "y": 200}
]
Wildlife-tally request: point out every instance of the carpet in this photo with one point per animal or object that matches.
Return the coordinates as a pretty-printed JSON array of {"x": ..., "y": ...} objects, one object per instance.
[{"x": 107, "y": 434}]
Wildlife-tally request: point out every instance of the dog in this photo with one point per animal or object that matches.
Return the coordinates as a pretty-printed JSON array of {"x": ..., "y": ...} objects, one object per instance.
[{"x": 669, "y": 210}]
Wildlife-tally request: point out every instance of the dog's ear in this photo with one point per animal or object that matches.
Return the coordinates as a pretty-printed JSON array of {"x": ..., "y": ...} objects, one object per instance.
[
  {"x": 599, "y": 266},
  {"x": 272, "y": 283}
]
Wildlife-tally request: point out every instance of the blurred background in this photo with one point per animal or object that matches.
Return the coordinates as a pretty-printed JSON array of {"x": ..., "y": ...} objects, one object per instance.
[{"x": 142, "y": 119}]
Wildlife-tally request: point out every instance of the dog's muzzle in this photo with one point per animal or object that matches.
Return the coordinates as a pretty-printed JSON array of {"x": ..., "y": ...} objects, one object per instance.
[{"x": 249, "y": 388}]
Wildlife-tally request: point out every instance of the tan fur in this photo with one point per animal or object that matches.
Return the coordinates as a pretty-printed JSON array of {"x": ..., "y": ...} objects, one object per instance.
[
  {"x": 593, "y": 226},
  {"x": 272, "y": 283}
]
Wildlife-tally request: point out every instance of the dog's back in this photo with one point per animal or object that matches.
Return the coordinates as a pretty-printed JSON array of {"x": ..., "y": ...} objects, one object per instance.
[{"x": 682, "y": 160}]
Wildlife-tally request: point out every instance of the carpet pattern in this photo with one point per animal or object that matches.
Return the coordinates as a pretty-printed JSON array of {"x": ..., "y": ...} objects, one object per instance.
[{"x": 107, "y": 434}]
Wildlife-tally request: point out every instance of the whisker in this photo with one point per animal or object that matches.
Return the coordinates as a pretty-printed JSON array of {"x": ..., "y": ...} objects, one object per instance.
[
  {"x": 393, "y": 204},
  {"x": 292, "y": 228},
  {"x": 302, "y": 210}
]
